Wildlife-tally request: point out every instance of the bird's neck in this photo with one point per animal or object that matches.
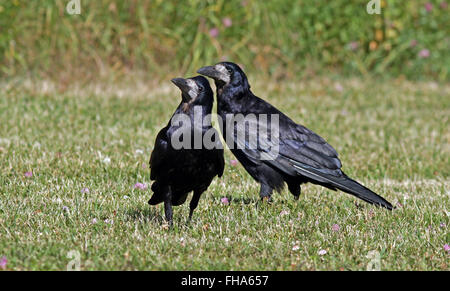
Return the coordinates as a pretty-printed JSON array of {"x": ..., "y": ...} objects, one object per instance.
[{"x": 226, "y": 95}]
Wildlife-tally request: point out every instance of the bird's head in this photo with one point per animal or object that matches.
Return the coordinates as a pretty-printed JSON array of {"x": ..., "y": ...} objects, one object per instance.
[
  {"x": 195, "y": 90},
  {"x": 226, "y": 73}
]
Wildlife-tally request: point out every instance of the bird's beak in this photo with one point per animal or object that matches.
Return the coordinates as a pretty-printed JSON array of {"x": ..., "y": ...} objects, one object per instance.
[
  {"x": 209, "y": 71},
  {"x": 182, "y": 84}
]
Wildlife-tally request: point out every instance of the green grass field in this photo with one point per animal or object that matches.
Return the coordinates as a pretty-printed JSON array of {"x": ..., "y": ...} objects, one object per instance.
[{"x": 393, "y": 136}]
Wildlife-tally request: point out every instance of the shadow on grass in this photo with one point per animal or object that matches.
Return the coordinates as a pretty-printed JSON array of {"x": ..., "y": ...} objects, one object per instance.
[
  {"x": 275, "y": 199},
  {"x": 245, "y": 201},
  {"x": 154, "y": 215},
  {"x": 145, "y": 215}
]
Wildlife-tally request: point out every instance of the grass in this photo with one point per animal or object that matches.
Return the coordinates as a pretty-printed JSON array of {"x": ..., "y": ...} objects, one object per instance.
[
  {"x": 306, "y": 38},
  {"x": 393, "y": 136}
]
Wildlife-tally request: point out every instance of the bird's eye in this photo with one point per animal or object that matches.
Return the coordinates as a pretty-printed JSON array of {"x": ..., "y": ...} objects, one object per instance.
[
  {"x": 229, "y": 70},
  {"x": 200, "y": 89}
]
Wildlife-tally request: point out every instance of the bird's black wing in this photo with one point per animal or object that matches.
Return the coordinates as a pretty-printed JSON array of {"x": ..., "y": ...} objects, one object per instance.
[
  {"x": 217, "y": 152},
  {"x": 291, "y": 143},
  {"x": 159, "y": 153},
  {"x": 311, "y": 156},
  {"x": 299, "y": 144},
  {"x": 220, "y": 162},
  {"x": 296, "y": 150}
]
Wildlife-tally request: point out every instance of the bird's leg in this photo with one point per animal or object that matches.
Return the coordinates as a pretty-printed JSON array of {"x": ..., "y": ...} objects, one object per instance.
[
  {"x": 168, "y": 205},
  {"x": 265, "y": 192},
  {"x": 295, "y": 189},
  {"x": 297, "y": 193},
  {"x": 194, "y": 202}
]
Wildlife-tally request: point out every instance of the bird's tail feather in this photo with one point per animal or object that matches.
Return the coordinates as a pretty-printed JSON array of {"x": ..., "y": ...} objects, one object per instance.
[
  {"x": 344, "y": 183},
  {"x": 352, "y": 187},
  {"x": 157, "y": 195}
]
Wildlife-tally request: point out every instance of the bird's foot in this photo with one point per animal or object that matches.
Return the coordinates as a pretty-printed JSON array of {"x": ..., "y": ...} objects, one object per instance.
[
  {"x": 167, "y": 225},
  {"x": 265, "y": 200},
  {"x": 189, "y": 220}
]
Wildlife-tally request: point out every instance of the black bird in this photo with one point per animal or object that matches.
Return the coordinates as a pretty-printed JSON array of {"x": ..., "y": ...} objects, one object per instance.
[
  {"x": 179, "y": 169},
  {"x": 302, "y": 155}
]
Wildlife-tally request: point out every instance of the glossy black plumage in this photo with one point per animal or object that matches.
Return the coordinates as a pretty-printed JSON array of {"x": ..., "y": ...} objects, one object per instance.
[
  {"x": 303, "y": 156},
  {"x": 177, "y": 172}
]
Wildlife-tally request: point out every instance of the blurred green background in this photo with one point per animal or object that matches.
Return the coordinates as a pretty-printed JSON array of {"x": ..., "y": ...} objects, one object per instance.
[{"x": 285, "y": 39}]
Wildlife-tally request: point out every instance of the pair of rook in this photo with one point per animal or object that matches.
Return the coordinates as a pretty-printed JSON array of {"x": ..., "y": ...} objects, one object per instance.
[{"x": 302, "y": 156}]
